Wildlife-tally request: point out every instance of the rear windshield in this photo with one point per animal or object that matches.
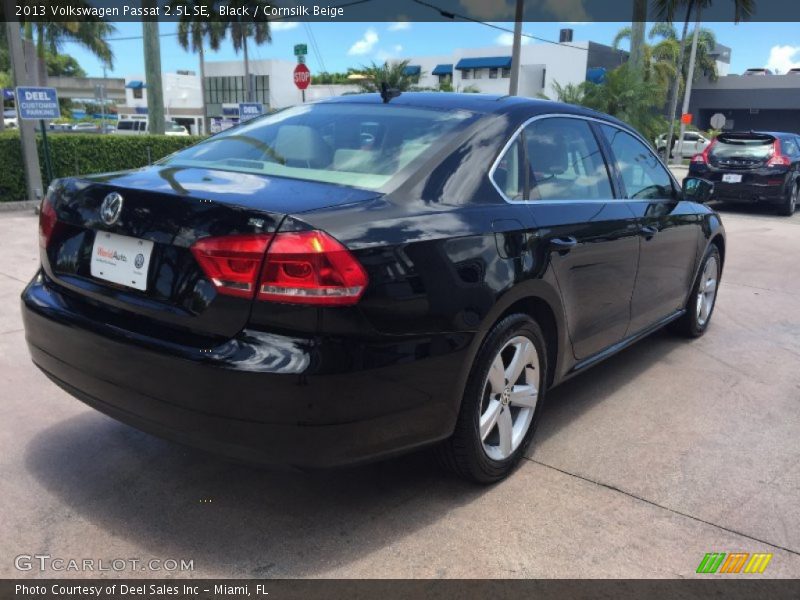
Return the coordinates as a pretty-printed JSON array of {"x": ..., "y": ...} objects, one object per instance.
[
  {"x": 352, "y": 144},
  {"x": 751, "y": 147}
]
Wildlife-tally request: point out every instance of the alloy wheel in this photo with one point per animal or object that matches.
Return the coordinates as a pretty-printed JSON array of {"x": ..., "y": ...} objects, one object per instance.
[
  {"x": 707, "y": 291},
  {"x": 510, "y": 394}
]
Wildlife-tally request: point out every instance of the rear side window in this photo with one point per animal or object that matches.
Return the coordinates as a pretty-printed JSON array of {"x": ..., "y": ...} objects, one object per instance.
[
  {"x": 125, "y": 125},
  {"x": 789, "y": 146},
  {"x": 508, "y": 175},
  {"x": 564, "y": 161},
  {"x": 644, "y": 176}
]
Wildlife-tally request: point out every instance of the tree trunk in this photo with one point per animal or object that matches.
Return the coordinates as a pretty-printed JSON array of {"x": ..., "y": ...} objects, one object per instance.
[
  {"x": 152, "y": 67},
  {"x": 637, "y": 34},
  {"x": 248, "y": 93},
  {"x": 204, "y": 128},
  {"x": 673, "y": 97}
]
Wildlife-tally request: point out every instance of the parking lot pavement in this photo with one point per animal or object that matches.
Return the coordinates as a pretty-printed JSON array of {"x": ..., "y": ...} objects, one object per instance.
[{"x": 640, "y": 466}]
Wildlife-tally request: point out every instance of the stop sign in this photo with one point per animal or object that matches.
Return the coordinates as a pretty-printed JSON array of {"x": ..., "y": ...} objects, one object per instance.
[{"x": 302, "y": 76}]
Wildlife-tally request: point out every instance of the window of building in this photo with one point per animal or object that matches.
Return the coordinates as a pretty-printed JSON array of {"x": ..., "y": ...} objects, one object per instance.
[
  {"x": 642, "y": 173},
  {"x": 477, "y": 73},
  {"x": 465, "y": 74},
  {"x": 505, "y": 73},
  {"x": 492, "y": 73},
  {"x": 137, "y": 93},
  {"x": 444, "y": 79}
]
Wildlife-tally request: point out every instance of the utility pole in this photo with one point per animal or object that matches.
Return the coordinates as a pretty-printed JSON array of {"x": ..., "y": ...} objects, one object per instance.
[
  {"x": 27, "y": 132},
  {"x": 687, "y": 88},
  {"x": 152, "y": 67},
  {"x": 513, "y": 86}
]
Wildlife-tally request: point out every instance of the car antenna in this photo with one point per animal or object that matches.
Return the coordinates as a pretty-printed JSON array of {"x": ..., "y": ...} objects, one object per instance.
[{"x": 388, "y": 93}]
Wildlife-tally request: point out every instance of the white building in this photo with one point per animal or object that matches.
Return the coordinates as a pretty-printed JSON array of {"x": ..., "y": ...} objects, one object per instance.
[
  {"x": 182, "y": 99},
  {"x": 488, "y": 69},
  {"x": 272, "y": 84}
]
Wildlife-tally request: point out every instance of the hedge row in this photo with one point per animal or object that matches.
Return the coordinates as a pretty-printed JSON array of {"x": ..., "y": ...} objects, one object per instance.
[{"x": 82, "y": 153}]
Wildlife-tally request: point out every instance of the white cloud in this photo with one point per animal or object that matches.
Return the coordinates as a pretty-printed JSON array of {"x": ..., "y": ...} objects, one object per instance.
[
  {"x": 783, "y": 58},
  {"x": 365, "y": 44},
  {"x": 398, "y": 48},
  {"x": 282, "y": 25},
  {"x": 400, "y": 26},
  {"x": 507, "y": 39}
]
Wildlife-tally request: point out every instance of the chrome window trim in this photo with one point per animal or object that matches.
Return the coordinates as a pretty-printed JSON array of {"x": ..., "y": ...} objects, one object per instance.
[{"x": 518, "y": 131}]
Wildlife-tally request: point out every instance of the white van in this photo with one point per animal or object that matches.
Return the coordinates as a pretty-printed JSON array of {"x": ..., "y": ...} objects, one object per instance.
[{"x": 139, "y": 126}]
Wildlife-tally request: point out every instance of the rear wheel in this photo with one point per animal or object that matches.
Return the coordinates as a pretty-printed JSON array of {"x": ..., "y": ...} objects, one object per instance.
[
  {"x": 703, "y": 297},
  {"x": 790, "y": 204},
  {"x": 501, "y": 403}
]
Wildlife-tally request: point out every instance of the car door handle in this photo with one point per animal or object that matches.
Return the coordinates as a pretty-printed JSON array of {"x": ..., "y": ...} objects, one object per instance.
[
  {"x": 648, "y": 231},
  {"x": 563, "y": 245}
]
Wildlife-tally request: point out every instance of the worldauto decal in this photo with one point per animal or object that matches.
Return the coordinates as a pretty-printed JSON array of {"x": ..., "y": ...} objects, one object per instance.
[{"x": 103, "y": 253}]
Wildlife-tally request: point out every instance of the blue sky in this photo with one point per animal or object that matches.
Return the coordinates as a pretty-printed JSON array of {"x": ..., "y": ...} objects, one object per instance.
[{"x": 346, "y": 44}]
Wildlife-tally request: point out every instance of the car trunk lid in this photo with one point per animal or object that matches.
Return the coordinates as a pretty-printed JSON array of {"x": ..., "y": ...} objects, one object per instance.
[{"x": 164, "y": 211}]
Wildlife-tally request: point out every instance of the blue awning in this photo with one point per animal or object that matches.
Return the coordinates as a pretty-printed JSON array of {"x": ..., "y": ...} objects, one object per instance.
[
  {"x": 411, "y": 70},
  {"x": 485, "y": 62},
  {"x": 596, "y": 74},
  {"x": 443, "y": 70},
  {"x": 135, "y": 85}
]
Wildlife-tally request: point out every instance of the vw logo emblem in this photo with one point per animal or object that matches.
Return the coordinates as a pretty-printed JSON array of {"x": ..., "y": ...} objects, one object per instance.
[{"x": 111, "y": 208}]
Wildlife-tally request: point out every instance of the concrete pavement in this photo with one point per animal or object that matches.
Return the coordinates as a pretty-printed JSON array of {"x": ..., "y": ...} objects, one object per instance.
[{"x": 667, "y": 451}]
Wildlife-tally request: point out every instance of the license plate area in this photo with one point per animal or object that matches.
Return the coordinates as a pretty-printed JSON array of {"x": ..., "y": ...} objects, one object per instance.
[
  {"x": 121, "y": 259},
  {"x": 732, "y": 178}
]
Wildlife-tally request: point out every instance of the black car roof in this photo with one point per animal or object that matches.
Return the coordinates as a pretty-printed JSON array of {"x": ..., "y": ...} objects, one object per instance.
[{"x": 479, "y": 103}]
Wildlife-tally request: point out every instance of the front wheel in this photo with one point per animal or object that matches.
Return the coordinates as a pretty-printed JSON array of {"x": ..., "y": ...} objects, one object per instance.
[
  {"x": 703, "y": 296},
  {"x": 501, "y": 403},
  {"x": 790, "y": 204}
]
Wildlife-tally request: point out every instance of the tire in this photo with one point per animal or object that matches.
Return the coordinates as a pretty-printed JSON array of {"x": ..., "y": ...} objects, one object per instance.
[
  {"x": 509, "y": 424},
  {"x": 790, "y": 204},
  {"x": 702, "y": 299}
]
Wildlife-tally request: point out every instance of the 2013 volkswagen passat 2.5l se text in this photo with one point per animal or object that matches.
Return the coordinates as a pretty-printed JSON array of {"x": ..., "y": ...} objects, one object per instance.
[{"x": 351, "y": 279}]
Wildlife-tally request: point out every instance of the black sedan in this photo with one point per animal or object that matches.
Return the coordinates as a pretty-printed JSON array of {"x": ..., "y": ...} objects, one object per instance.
[
  {"x": 752, "y": 167},
  {"x": 347, "y": 280}
]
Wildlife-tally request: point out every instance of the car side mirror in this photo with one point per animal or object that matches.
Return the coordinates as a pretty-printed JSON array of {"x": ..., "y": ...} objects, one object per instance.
[{"x": 697, "y": 189}]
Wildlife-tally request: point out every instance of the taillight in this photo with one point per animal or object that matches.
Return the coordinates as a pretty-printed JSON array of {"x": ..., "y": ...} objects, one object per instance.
[
  {"x": 47, "y": 220},
  {"x": 702, "y": 158},
  {"x": 232, "y": 262},
  {"x": 778, "y": 159},
  {"x": 310, "y": 267}
]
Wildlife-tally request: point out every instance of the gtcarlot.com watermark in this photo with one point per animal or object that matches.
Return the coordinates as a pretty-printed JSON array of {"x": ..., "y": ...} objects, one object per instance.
[{"x": 45, "y": 563}]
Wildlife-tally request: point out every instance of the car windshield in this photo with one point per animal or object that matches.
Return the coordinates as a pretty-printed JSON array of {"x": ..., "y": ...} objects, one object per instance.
[
  {"x": 351, "y": 144},
  {"x": 750, "y": 147}
]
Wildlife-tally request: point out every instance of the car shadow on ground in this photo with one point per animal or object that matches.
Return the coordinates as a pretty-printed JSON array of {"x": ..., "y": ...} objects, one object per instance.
[
  {"x": 241, "y": 520},
  {"x": 589, "y": 389},
  {"x": 743, "y": 208}
]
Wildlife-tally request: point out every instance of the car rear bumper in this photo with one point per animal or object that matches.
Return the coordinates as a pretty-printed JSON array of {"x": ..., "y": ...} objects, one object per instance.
[
  {"x": 767, "y": 186},
  {"x": 259, "y": 397}
]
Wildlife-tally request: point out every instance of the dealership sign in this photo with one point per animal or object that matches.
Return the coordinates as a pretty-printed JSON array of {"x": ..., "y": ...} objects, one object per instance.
[{"x": 38, "y": 103}]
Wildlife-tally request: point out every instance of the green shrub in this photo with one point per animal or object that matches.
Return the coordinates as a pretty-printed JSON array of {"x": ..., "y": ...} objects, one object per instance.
[{"x": 81, "y": 154}]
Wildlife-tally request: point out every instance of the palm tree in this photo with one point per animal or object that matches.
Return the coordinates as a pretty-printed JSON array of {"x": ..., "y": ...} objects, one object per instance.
[
  {"x": 243, "y": 28},
  {"x": 627, "y": 96},
  {"x": 637, "y": 34},
  {"x": 393, "y": 74},
  {"x": 659, "y": 61},
  {"x": 52, "y": 37},
  {"x": 193, "y": 33},
  {"x": 666, "y": 9}
]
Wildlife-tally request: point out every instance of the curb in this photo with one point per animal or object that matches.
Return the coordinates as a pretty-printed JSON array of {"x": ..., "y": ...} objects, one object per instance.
[{"x": 18, "y": 206}]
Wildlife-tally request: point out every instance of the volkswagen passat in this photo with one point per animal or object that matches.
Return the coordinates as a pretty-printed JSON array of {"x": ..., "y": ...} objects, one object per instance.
[{"x": 351, "y": 279}]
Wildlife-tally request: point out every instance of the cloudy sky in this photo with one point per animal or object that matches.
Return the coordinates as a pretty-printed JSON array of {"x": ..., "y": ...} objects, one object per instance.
[{"x": 343, "y": 44}]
